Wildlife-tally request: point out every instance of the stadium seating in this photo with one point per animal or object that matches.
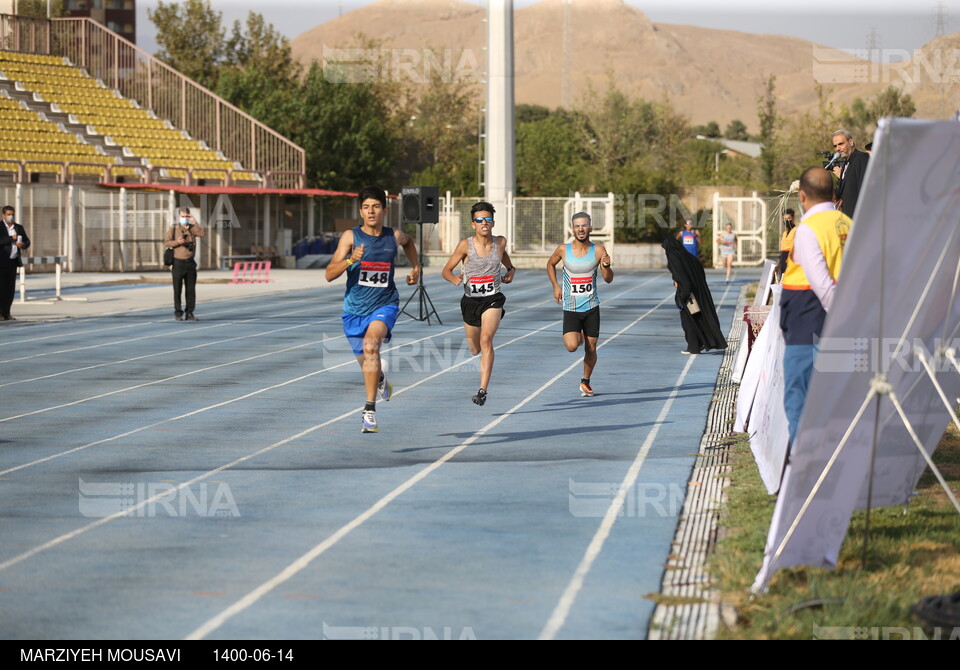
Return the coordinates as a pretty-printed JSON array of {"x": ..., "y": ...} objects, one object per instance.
[{"x": 110, "y": 121}]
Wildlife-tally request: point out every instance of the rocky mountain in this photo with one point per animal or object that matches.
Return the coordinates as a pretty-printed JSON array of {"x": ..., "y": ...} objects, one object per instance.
[{"x": 706, "y": 74}]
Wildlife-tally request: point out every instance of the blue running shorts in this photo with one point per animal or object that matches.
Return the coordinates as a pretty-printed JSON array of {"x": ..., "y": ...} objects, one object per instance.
[{"x": 355, "y": 327}]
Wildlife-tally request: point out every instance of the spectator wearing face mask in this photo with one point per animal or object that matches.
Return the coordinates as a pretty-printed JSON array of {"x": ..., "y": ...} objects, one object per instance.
[
  {"x": 182, "y": 237},
  {"x": 13, "y": 241},
  {"x": 786, "y": 241}
]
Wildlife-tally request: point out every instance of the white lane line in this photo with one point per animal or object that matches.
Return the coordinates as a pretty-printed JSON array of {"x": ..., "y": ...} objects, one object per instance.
[
  {"x": 303, "y": 561},
  {"x": 169, "y": 351},
  {"x": 166, "y": 379},
  {"x": 562, "y": 610},
  {"x": 67, "y": 334},
  {"x": 165, "y": 334},
  {"x": 245, "y": 396},
  {"x": 183, "y": 375},
  {"x": 240, "y": 398},
  {"x": 79, "y": 531}
]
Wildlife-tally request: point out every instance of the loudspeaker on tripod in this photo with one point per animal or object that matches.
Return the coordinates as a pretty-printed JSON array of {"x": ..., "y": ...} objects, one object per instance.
[{"x": 420, "y": 204}]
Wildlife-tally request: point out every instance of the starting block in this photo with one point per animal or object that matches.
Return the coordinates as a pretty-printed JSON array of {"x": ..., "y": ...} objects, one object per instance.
[{"x": 251, "y": 272}]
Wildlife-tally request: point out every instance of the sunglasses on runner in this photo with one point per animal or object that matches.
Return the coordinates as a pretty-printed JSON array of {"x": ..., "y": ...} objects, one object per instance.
[{"x": 481, "y": 219}]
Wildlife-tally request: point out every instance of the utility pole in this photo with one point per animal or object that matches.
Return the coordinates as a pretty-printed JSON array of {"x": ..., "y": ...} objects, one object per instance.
[
  {"x": 940, "y": 31},
  {"x": 566, "y": 85}
]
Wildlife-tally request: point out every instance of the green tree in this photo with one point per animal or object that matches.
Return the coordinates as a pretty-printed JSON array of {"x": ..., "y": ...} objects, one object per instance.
[
  {"x": 712, "y": 129},
  {"x": 861, "y": 117},
  {"x": 259, "y": 74},
  {"x": 736, "y": 130},
  {"x": 191, "y": 38},
  {"x": 346, "y": 131},
  {"x": 892, "y": 102},
  {"x": 550, "y": 158},
  {"x": 805, "y": 137},
  {"x": 615, "y": 131},
  {"x": 38, "y": 8},
  {"x": 769, "y": 126},
  {"x": 672, "y": 131},
  {"x": 438, "y": 121},
  {"x": 528, "y": 113}
]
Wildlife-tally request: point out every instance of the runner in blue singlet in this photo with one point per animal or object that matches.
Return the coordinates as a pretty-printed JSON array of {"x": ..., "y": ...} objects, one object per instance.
[
  {"x": 371, "y": 302},
  {"x": 690, "y": 238}
]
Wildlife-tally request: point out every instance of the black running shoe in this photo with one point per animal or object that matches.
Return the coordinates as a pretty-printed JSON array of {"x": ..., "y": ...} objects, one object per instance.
[{"x": 480, "y": 398}]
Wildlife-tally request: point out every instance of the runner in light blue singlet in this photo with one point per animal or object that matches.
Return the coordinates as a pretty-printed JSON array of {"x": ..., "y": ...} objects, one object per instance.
[{"x": 582, "y": 262}]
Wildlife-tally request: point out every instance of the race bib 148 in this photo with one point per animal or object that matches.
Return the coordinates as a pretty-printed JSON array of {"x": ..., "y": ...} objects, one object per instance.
[{"x": 376, "y": 275}]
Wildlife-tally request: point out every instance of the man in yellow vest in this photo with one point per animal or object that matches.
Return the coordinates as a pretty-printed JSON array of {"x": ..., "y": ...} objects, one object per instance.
[{"x": 813, "y": 268}]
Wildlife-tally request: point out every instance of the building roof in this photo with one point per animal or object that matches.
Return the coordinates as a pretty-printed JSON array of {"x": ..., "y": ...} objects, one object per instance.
[{"x": 751, "y": 149}]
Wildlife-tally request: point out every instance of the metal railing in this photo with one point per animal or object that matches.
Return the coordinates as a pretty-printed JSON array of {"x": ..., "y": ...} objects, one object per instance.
[
  {"x": 21, "y": 33},
  {"x": 156, "y": 86}
]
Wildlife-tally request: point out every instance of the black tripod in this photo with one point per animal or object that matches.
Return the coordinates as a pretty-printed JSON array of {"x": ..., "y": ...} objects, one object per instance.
[{"x": 421, "y": 291}]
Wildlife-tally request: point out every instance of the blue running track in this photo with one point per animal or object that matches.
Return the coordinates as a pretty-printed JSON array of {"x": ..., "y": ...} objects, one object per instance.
[{"x": 164, "y": 480}]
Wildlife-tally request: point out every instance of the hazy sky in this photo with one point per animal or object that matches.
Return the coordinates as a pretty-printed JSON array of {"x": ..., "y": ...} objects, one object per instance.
[{"x": 897, "y": 24}]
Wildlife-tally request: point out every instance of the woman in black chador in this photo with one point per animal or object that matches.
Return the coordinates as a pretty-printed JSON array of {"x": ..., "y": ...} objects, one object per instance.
[{"x": 700, "y": 323}]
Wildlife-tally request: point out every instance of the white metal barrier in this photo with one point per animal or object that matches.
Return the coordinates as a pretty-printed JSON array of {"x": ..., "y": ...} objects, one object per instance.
[
  {"x": 749, "y": 219},
  {"x": 58, "y": 262}
]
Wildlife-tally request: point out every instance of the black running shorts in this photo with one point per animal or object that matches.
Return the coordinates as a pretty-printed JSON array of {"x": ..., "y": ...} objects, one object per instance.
[
  {"x": 586, "y": 322},
  {"x": 472, "y": 308}
]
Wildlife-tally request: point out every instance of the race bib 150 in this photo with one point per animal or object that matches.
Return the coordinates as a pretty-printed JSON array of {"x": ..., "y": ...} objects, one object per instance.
[{"x": 581, "y": 284}]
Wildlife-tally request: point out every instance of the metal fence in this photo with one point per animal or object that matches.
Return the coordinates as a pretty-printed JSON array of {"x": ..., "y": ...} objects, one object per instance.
[
  {"x": 21, "y": 33},
  {"x": 103, "y": 229},
  {"x": 121, "y": 229},
  {"x": 532, "y": 226},
  {"x": 45, "y": 212}
]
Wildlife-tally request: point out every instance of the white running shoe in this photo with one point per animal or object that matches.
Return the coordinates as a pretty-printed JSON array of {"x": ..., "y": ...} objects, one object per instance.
[
  {"x": 369, "y": 424},
  {"x": 384, "y": 388}
]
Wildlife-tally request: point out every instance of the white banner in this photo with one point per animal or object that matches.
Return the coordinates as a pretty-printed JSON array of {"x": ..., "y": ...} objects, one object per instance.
[
  {"x": 896, "y": 302},
  {"x": 761, "y": 298},
  {"x": 750, "y": 382},
  {"x": 768, "y": 427}
]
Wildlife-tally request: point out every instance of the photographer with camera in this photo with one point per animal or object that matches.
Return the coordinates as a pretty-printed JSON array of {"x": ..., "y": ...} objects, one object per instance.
[
  {"x": 182, "y": 238},
  {"x": 849, "y": 167}
]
